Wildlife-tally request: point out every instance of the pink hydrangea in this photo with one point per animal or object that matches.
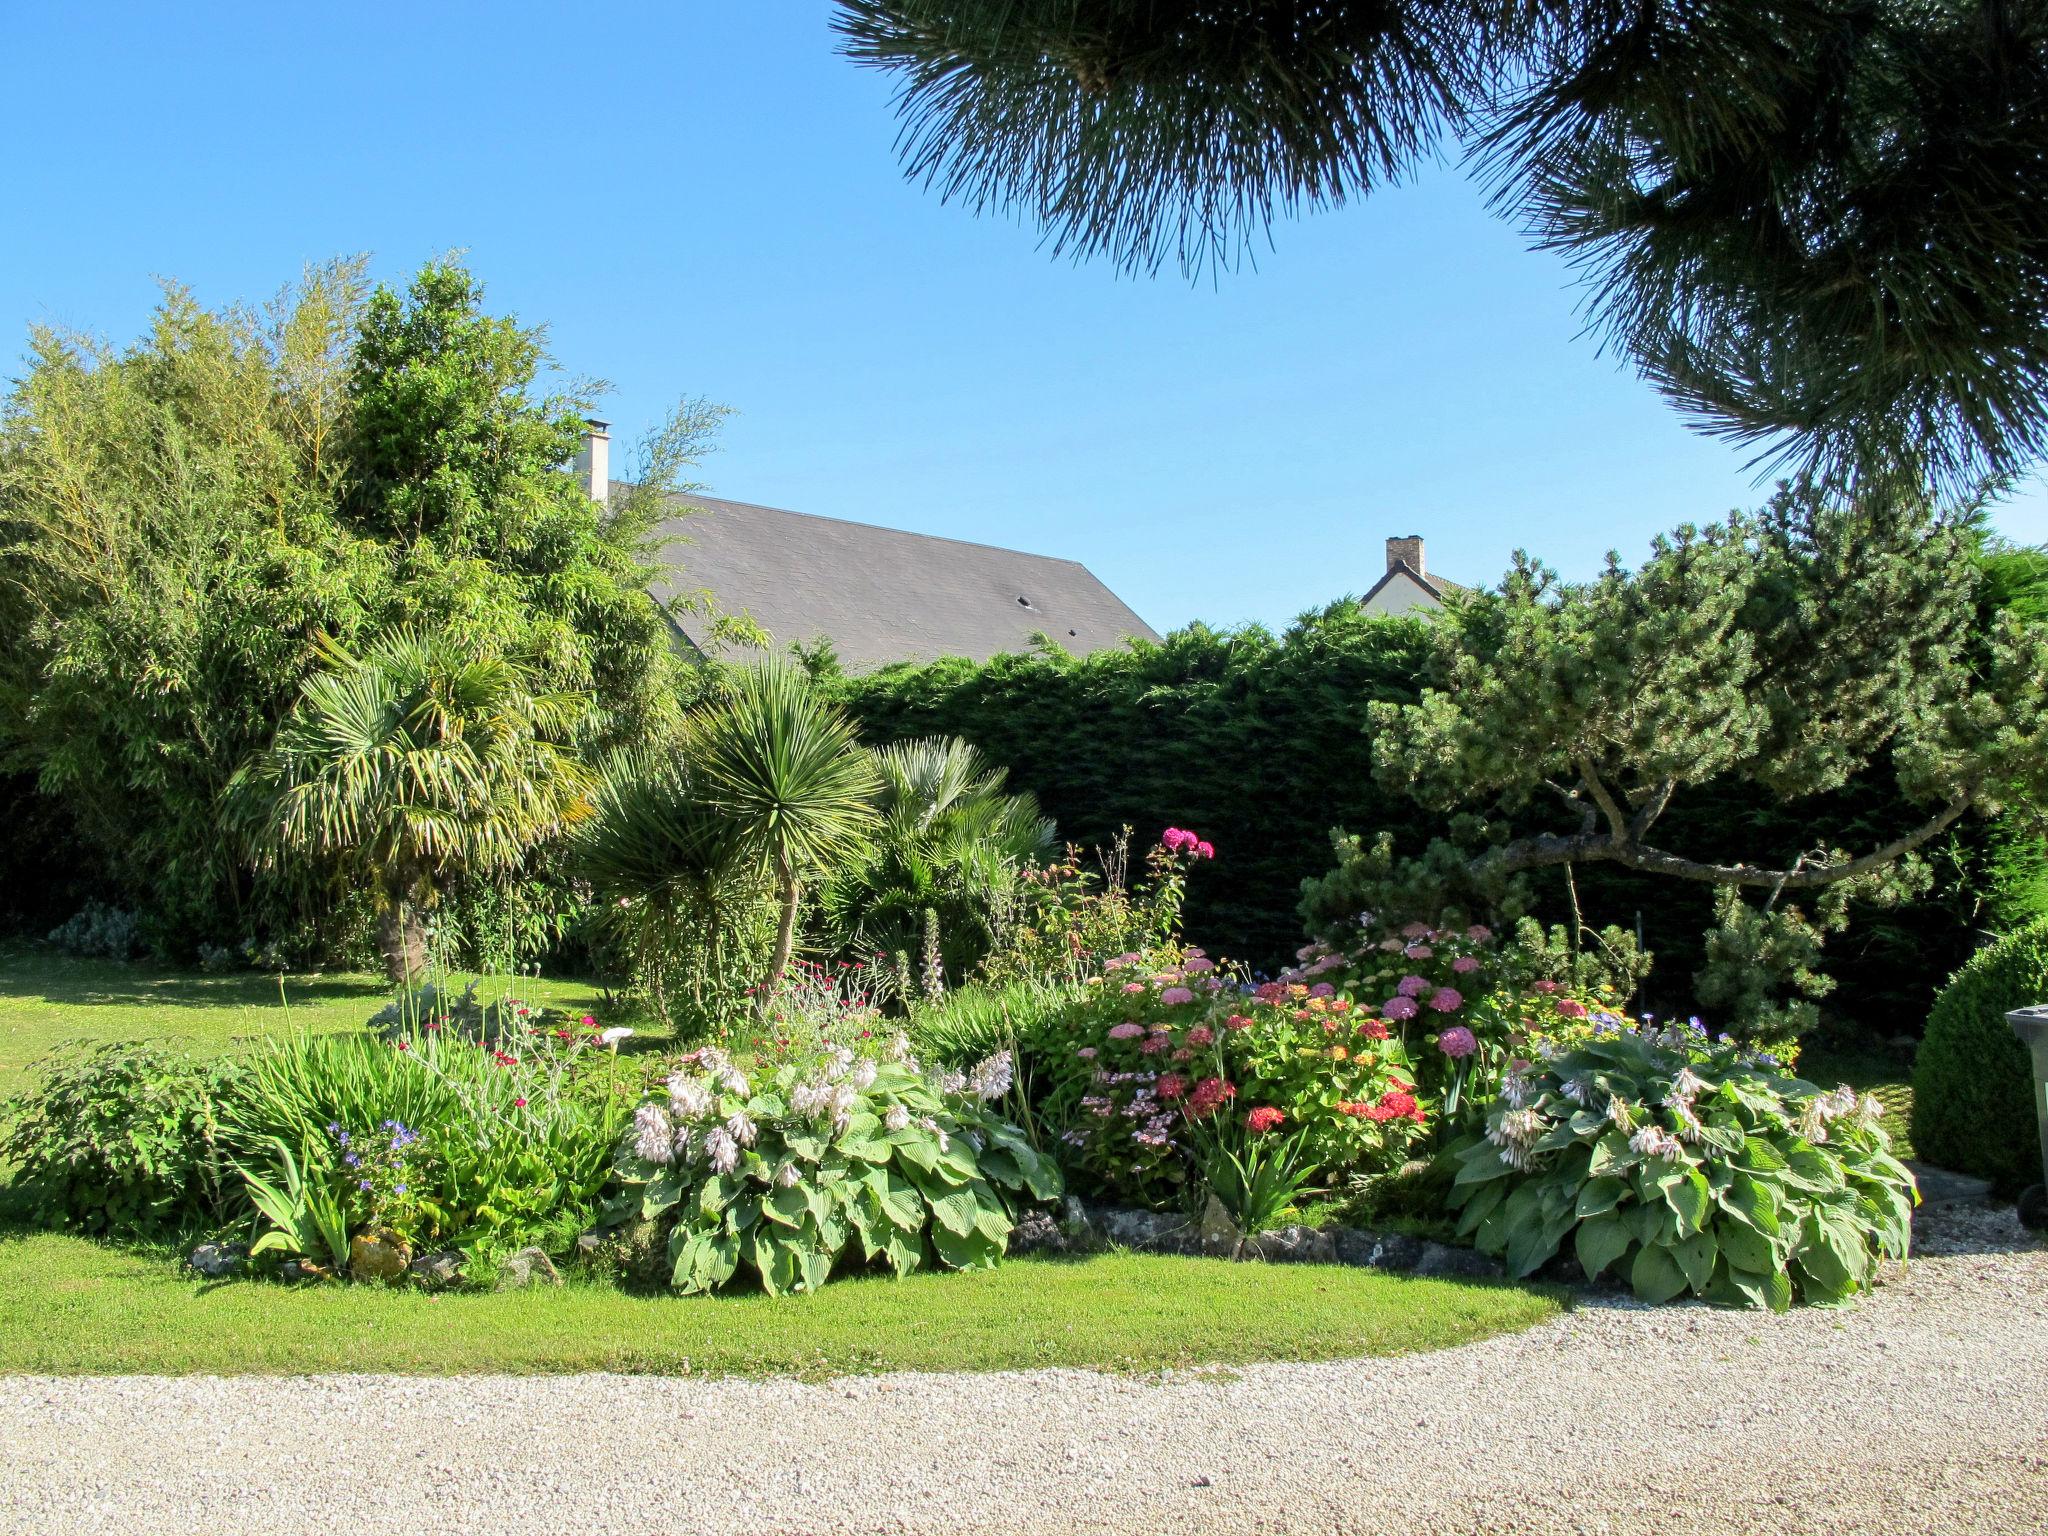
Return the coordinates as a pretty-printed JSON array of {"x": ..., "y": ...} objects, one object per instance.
[
  {"x": 1156, "y": 1042},
  {"x": 1457, "y": 1042},
  {"x": 1571, "y": 1008},
  {"x": 1174, "y": 996},
  {"x": 1390, "y": 946},
  {"x": 1177, "y": 838},
  {"x": 1201, "y": 1035},
  {"x": 1086, "y": 1053},
  {"x": 1479, "y": 933},
  {"x": 1399, "y": 1008},
  {"x": 1447, "y": 1000},
  {"x": 1418, "y": 951},
  {"x": 1237, "y": 1021},
  {"x": 1205, "y": 850},
  {"x": 1126, "y": 1031},
  {"x": 1322, "y": 989},
  {"x": 1465, "y": 965},
  {"x": 1414, "y": 930},
  {"x": 1272, "y": 992},
  {"x": 1134, "y": 986},
  {"x": 1197, "y": 965},
  {"x": 1412, "y": 986}
]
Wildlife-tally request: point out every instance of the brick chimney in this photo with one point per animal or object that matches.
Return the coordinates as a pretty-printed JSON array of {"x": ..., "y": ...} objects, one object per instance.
[
  {"x": 1406, "y": 550},
  {"x": 594, "y": 463}
]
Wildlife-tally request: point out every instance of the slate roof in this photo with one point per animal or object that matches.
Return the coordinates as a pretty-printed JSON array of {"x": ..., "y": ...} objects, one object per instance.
[{"x": 881, "y": 594}]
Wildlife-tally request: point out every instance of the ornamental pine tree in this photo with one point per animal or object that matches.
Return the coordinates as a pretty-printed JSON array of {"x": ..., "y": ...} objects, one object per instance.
[
  {"x": 1820, "y": 226},
  {"x": 1792, "y": 649}
]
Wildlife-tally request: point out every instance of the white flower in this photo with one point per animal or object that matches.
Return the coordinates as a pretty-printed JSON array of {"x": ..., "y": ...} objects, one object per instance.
[
  {"x": 933, "y": 1126},
  {"x": 953, "y": 1082},
  {"x": 786, "y": 1176},
  {"x": 1619, "y": 1115},
  {"x": 740, "y": 1128},
  {"x": 688, "y": 1098},
  {"x": 1654, "y": 1141},
  {"x": 1872, "y": 1108},
  {"x": 1689, "y": 1125},
  {"x": 654, "y": 1139},
  {"x": 1515, "y": 1128},
  {"x": 1514, "y": 1090},
  {"x": 614, "y": 1035},
  {"x": 897, "y": 1117},
  {"x": 734, "y": 1082},
  {"x": 899, "y": 1048},
  {"x": 863, "y": 1076},
  {"x": 811, "y": 1099},
  {"x": 722, "y": 1150},
  {"x": 842, "y": 1063},
  {"x": 1685, "y": 1087},
  {"x": 992, "y": 1079},
  {"x": 1576, "y": 1089}
]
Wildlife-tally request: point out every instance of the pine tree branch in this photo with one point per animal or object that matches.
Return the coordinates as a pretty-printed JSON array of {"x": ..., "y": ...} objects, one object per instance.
[{"x": 1548, "y": 850}]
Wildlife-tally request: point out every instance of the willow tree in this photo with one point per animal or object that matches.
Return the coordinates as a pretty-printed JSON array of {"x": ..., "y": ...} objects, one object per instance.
[
  {"x": 1819, "y": 640},
  {"x": 1822, "y": 226}
]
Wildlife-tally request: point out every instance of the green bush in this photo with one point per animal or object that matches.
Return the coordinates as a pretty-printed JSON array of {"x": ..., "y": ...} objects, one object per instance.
[
  {"x": 483, "y": 1145},
  {"x": 1973, "y": 1106},
  {"x": 1689, "y": 1171},
  {"x": 123, "y": 1138},
  {"x": 783, "y": 1177}
]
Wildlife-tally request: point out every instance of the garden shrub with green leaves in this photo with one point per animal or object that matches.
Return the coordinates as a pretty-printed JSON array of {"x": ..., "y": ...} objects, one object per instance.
[
  {"x": 1973, "y": 1085},
  {"x": 817, "y": 1164},
  {"x": 502, "y": 1142},
  {"x": 1687, "y": 1169},
  {"x": 122, "y": 1139}
]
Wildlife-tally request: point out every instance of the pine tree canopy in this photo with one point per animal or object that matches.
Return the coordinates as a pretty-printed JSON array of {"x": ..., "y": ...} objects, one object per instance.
[{"x": 1820, "y": 226}]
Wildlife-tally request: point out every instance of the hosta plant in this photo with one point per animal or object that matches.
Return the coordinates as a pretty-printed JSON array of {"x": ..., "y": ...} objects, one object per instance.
[
  {"x": 823, "y": 1164},
  {"x": 1686, "y": 1170}
]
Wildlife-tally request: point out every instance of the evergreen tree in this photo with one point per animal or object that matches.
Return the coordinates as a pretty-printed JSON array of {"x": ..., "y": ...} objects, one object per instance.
[{"x": 1820, "y": 225}]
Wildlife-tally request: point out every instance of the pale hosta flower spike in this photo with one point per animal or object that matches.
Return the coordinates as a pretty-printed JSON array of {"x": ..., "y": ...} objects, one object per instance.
[{"x": 654, "y": 1139}]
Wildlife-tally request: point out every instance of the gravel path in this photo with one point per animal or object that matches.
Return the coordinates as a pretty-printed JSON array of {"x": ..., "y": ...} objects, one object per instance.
[{"x": 1922, "y": 1409}]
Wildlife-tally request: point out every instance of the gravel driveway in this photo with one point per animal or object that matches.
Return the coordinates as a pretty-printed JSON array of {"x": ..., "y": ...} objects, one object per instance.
[{"x": 1922, "y": 1409}]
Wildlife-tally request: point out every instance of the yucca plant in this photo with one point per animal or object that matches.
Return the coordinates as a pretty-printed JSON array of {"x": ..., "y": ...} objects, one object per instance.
[
  {"x": 420, "y": 758},
  {"x": 787, "y": 770},
  {"x": 680, "y": 888}
]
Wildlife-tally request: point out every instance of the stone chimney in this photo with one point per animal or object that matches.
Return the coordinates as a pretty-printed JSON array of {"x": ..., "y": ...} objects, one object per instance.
[
  {"x": 594, "y": 464},
  {"x": 1406, "y": 550}
]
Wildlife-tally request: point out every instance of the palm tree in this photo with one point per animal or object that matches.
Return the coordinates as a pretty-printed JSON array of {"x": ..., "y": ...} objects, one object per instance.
[
  {"x": 422, "y": 758},
  {"x": 679, "y": 885},
  {"x": 951, "y": 836},
  {"x": 789, "y": 771}
]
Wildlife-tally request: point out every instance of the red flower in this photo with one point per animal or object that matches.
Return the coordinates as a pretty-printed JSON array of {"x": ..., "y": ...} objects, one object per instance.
[
  {"x": 402, "y": 1045},
  {"x": 1571, "y": 1008},
  {"x": 1372, "y": 1029},
  {"x": 1201, "y": 1035},
  {"x": 1263, "y": 1119},
  {"x": 1237, "y": 1021},
  {"x": 1172, "y": 1086},
  {"x": 519, "y": 1103}
]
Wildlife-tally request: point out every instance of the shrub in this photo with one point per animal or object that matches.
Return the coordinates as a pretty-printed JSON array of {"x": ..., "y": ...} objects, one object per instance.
[
  {"x": 485, "y": 1146},
  {"x": 1161, "y": 1048},
  {"x": 1695, "y": 1170},
  {"x": 100, "y": 932},
  {"x": 1973, "y": 1093},
  {"x": 784, "y": 1177},
  {"x": 123, "y": 1138}
]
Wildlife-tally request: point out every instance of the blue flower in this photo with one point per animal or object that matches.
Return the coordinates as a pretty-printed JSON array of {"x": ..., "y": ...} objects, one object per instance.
[
  {"x": 363, "y": 1184},
  {"x": 352, "y": 1161}
]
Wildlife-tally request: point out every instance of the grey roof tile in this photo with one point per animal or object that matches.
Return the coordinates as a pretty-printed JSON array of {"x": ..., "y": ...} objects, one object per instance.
[{"x": 881, "y": 594}]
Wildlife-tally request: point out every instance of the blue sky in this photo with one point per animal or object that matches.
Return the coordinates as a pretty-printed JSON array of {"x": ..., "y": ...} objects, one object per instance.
[{"x": 699, "y": 197}]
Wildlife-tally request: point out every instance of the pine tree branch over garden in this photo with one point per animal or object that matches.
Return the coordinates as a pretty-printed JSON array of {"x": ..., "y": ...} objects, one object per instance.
[{"x": 1819, "y": 228}]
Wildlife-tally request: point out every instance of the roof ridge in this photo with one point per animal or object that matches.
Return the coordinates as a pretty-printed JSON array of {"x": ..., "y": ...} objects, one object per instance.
[{"x": 853, "y": 522}]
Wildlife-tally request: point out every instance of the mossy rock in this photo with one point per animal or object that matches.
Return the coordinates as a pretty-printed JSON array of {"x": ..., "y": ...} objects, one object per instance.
[{"x": 1973, "y": 1083}]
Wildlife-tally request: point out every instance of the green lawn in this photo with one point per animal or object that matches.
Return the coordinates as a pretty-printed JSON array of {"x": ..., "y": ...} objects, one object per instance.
[
  {"x": 67, "y": 1305},
  {"x": 70, "y": 1305},
  {"x": 47, "y": 1000}
]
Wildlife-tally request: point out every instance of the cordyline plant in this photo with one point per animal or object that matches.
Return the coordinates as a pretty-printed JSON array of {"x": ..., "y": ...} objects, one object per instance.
[{"x": 1790, "y": 649}]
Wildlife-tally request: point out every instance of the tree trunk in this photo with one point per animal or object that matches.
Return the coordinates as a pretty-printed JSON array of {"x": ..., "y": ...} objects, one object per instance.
[
  {"x": 785, "y": 940},
  {"x": 402, "y": 940}
]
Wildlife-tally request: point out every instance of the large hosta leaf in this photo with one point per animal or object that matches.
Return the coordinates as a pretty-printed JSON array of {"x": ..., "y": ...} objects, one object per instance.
[
  {"x": 1599, "y": 1242},
  {"x": 1656, "y": 1275}
]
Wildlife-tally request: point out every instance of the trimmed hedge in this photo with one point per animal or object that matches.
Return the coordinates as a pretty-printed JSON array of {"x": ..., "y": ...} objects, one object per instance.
[
  {"x": 1973, "y": 1102},
  {"x": 1259, "y": 741}
]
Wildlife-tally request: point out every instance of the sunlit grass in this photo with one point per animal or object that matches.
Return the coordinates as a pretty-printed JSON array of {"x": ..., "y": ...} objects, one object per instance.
[{"x": 68, "y": 1305}]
